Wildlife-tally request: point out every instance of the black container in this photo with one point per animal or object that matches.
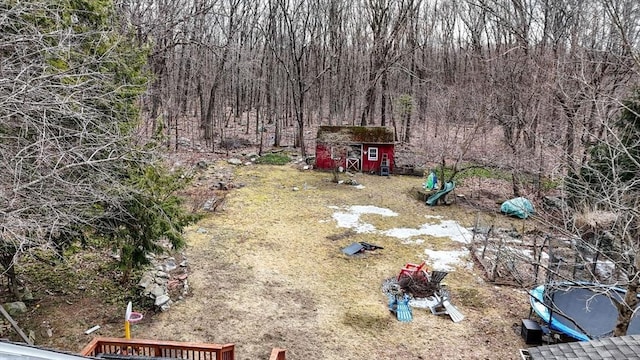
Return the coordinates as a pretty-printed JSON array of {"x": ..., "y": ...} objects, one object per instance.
[{"x": 531, "y": 332}]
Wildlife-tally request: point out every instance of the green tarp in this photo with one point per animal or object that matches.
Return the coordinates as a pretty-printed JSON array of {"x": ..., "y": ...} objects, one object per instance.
[{"x": 519, "y": 207}]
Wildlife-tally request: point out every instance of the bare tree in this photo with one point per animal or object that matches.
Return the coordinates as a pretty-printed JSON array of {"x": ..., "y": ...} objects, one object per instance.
[
  {"x": 299, "y": 33},
  {"x": 388, "y": 22}
]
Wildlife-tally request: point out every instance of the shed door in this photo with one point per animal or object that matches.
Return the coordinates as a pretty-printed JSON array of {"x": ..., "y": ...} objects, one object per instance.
[{"x": 354, "y": 158}]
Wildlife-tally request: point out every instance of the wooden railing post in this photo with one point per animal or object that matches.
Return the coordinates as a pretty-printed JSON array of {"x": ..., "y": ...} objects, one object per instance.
[{"x": 278, "y": 354}]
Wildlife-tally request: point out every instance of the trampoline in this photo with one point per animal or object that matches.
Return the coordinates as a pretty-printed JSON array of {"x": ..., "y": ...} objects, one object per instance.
[{"x": 582, "y": 311}]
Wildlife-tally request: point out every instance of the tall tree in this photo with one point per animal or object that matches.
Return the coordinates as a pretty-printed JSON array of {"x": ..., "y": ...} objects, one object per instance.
[
  {"x": 299, "y": 32},
  {"x": 68, "y": 104},
  {"x": 388, "y": 22}
]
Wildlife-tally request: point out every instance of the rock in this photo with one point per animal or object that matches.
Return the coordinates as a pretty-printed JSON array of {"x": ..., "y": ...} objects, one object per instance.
[
  {"x": 553, "y": 202},
  {"x": 234, "y": 161},
  {"x": 145, "y": 281},
  {"x": 15, "y": 308},
  {"x": 170, "y": 265},
  {"x": 162, "y": 274},
  {"x": 157, "y": 291},
  {"x": 183, "y": 263},
  {"x": 295, "y": 188},
  {"x": 208, "y": 205},
  {"x": 161, "y": 300},
  {"x": 166, "y": 306},
  {"x": 202, "y": 164},
  {"x": 161, "y": 281},
  {"x": 201, "y": 231}
]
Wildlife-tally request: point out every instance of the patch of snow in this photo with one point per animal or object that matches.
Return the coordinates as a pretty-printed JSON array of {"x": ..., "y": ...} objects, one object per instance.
[
  {"x": 351, "y": 219},
  {"x": 347, "y": 220},
  {"x": 529, "y": 254},
  {"x": 369, "y": 209},
  {"x": 443, "y": 260},
  {"x": 446, "y": 228},
  {"x": 451, "y": 229},
  {"x": 403, "y": 233},
  {"x": 440, "y": 260}
]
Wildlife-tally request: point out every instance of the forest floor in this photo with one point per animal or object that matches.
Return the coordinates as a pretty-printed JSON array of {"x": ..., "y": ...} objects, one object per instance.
[{"x": 267, "y": 271}]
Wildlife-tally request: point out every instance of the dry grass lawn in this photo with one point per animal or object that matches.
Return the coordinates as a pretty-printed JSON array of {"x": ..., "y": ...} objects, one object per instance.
[{"x": 269, "y": 272}]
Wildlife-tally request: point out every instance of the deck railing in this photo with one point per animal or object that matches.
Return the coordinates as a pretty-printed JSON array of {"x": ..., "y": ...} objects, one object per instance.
[
  {"x": 115, "y": 348},
  {"x": 278, "y": 354}
]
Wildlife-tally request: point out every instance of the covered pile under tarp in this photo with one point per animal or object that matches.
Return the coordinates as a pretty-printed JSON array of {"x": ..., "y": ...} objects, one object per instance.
[{"x": 520, "y": 207}]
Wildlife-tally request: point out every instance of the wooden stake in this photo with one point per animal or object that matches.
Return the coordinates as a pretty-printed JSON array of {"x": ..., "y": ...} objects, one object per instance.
[{"x": 15, "y": 325}]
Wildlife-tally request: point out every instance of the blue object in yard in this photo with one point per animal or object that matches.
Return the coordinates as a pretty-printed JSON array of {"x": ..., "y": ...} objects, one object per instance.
[
  {"x": 520, "y": 207},
  {"x": 403, "y": 311},
  {"x": 393, "y": 303},
  {"x": 581, "y": 310},
  {"x": 448, "y": 187}
]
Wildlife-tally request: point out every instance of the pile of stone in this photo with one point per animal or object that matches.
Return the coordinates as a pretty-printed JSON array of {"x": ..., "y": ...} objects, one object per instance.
[{"x": 166, "y": 281}]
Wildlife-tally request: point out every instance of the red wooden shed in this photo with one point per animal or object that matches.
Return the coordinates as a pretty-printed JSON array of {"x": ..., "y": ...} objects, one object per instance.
[{"x": 355, "y": 148}]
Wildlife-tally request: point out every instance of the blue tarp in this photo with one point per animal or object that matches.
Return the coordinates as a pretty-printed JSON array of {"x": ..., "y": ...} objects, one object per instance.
[{"x": 520, "y": 207}]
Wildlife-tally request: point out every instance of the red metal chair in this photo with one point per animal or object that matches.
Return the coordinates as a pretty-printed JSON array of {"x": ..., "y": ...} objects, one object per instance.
[{"x": 410, "y": 269}]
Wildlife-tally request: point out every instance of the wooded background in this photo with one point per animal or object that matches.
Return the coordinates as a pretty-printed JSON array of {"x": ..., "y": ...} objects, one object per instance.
[{"x": 548, "y": 75}]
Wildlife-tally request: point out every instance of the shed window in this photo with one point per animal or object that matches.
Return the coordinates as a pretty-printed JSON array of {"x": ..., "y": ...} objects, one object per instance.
[{"x": 373, "y": 154}]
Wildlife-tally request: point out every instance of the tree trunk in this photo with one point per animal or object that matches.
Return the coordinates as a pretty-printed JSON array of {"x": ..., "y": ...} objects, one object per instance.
[
  {"x": 627, "y": 308},
  {"x": 10, "y": 273},
  {"x": 369, "y": 101},
  {"x": 383, "y": 100}
]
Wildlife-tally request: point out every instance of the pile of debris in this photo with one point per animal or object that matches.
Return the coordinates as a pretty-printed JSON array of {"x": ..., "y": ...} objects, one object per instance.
[{"x": 417, "y": 288}]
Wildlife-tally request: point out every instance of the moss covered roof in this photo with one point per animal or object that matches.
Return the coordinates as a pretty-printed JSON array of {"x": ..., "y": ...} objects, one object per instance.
[{"x": 363, "y": 134}]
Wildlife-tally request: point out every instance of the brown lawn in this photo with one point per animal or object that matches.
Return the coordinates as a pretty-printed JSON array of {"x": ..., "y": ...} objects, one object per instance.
[{"x": 269, "y": 272}]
